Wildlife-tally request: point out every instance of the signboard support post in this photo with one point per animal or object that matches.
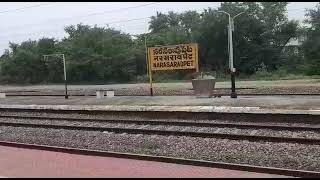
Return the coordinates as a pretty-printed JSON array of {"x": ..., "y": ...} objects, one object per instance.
[
  {"x": 151, "y": 89},
  {"x": 145, "y": 46},
  {"x": 150, "y": 75},
  {"x": 197, "y": 63}
]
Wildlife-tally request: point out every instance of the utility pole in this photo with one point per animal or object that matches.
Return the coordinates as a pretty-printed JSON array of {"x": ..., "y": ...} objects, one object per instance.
[
  {"x": 146, "y": 48},
  {"x": 149, "y": 72},
  {"x": 230, "y": 47},
  {"x": 64, "y": 71},
  {"x": 65, "y": 77}
]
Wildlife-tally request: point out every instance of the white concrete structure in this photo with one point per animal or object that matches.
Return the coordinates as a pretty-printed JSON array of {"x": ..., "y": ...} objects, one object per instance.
[
  {"x": 2, "y": 95},
  {"x": 219, "y": 109},
  {"x": 100, "y": 94},
  {"x": 110, "y": 94}
]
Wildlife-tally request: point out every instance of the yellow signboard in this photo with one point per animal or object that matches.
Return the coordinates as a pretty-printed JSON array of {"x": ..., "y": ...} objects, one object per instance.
[{"x": 182, "y": 56}]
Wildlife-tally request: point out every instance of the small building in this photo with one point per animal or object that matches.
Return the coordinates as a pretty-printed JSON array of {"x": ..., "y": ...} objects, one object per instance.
[{"x": 294, "y": 45}]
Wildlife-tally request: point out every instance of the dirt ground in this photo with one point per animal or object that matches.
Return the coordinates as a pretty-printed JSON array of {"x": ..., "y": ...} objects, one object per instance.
[{"x": 303, "y": 86}]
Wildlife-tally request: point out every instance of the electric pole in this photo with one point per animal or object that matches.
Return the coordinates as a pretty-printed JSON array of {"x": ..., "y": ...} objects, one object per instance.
[
  {"x": 64, "y": 71},
  {"x": 230, "y": 47}
]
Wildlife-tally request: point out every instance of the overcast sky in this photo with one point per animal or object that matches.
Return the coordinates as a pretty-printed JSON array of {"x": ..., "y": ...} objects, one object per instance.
[{"x": 49, "y": 18}]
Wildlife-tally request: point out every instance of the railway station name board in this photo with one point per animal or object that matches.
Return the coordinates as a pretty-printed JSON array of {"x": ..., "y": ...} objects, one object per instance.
[{"x": 182, "y": 56}]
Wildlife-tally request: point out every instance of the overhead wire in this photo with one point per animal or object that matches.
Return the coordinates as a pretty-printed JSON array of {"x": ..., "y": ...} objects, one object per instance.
[
  {"x": 61, "y": 31},
  {"x": 81, "y": 16},
  {"x": 98, "y": 13},
  {"x": 296, "y": 9},
  {"x": 26, "y": 7},
  {"x": 113, "y": 22}
]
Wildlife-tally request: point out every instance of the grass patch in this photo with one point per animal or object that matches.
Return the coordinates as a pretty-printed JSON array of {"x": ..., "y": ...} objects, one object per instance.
[{"x": 148, "y": 146}]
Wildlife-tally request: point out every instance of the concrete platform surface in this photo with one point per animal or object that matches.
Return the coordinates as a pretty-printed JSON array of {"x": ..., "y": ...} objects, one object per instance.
[
  {"x": 18, "y": 162},
  {"x": 286, "y": 104},
  {"x": 226, "y": 84}
]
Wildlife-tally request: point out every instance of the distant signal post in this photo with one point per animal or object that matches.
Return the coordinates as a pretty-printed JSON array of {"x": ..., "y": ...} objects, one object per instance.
[
  {"x": 174, "y": 57},
  {"x": 64, "y": 70}
]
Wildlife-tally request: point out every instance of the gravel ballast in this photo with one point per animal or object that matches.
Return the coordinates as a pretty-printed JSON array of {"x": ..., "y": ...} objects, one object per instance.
[
  {"x": 282, "y": 155},
  {"x": 246, "y": 131}
]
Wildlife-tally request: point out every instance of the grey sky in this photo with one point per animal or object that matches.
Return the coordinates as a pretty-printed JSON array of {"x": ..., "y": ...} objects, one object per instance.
[{"x": 49, "y": 19}]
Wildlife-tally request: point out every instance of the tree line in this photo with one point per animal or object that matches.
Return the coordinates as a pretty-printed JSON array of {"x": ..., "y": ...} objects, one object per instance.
[{"x": 102, "y": 54}]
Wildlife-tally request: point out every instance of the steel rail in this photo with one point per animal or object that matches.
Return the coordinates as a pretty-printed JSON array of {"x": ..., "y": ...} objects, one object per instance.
[
  {"x": 168, "y": 133},
  {"x": 175, "y": 123},
  {"x": 194, "y": 162}
]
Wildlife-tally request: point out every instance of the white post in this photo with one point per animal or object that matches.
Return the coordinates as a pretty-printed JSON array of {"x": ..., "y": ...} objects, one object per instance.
[
  {"x": 231, "y": 44},
  {"x": 65, "y": 77},
  {"x": 100, "y": 94},
  {"x": 64, "y": 68},
  {"x": 230, "y": 47},
  {"x": 2, "y": 95}
]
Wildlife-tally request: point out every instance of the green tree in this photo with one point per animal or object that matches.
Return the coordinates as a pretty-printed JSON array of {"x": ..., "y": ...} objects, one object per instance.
[
  {"x": 98, "y": 54},
  {"x": 23, "y": 64},
  {"x": 311, "y": 46}
]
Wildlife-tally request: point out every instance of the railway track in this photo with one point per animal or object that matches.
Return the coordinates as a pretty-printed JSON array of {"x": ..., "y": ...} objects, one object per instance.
[
  {"x": 233, "y": 166},
  {"x": 184, "y": 94},
  {"x": 175, "y": 123},
  {"x": 166, "y": 128}
]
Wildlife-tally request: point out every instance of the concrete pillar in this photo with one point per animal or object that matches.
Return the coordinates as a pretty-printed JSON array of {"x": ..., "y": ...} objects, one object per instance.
[
  {"x": 2, "y": 95},
  {"x": 110, "y": 94},
  {"x": 100, "y": 94}
]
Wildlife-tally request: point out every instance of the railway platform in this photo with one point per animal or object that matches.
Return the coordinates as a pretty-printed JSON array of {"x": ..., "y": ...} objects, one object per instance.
[
  {"x": 20, "y": 162},
  {"x": 243, "y": 104},
  {"x": 35, "y": 163}
]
